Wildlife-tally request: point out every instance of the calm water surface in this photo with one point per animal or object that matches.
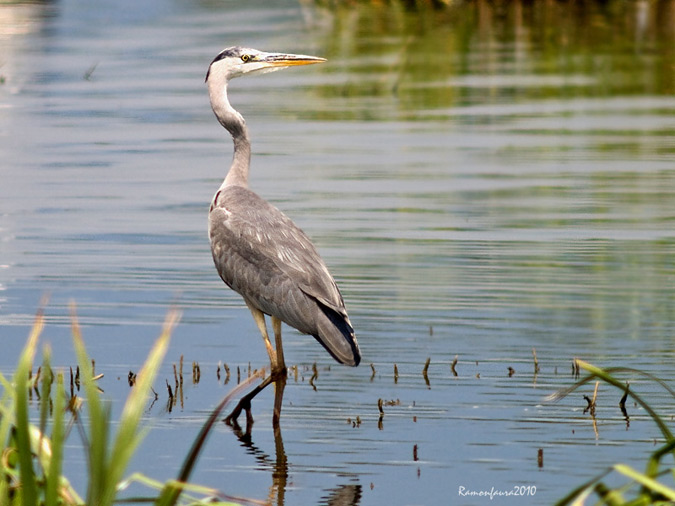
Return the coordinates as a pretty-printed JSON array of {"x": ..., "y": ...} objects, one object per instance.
[{"x": 481, "y": 182}]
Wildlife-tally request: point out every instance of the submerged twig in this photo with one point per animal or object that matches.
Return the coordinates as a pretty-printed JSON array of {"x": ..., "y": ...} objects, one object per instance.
[
  {"x": 171, "y": 397},
  {"x": 536, "y": 362},
  {"x": 315, "y": 375},
  {"x": 425, "y": 371},
  {"x": 196, "y": 373},
  {"x": 589, "y": 405},
  {"x": 89, "y": 72},
  {"x": 72, "y": 383},
  {"x": 453, "y": 365},
  {"x": 622, "y": 402},
  {"x": 591, "y": 401}
]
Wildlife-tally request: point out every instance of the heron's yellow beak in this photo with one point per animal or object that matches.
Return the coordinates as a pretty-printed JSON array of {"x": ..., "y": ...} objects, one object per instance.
[{"x": 289, "y": 60}]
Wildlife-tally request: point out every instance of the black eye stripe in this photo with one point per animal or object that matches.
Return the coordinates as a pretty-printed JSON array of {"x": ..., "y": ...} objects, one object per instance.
[{"x": 225, "y": 53}]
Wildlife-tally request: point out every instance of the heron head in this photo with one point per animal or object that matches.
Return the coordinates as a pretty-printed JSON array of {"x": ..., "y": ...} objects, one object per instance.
[{"x": 237, "y": 61}]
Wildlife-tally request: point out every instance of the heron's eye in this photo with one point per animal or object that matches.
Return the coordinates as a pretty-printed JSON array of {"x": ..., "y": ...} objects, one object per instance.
[{"x": 246, "y": 58}]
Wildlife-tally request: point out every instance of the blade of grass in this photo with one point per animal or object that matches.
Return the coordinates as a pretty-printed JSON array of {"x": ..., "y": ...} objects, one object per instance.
[
  {"x": 578, "y": 495},
  {"x": 596, "y": 372},
  {"x": 189, "y": 487},
  {"x": 655, "y": 459},
  {"x": 200, "y": 489},
  {"x": 610, "y": 370},
  {"x": 199, "y": 442},
  {"x": 21, "y": 385},
  {"x": 45, "y": 390},
  {"x": 173, "y": 490},
  {"x": 107, "y": 470},
  {"x": 650, "y": 487},
  {"x": 608, "y": 378},
  {"x": 53, "y": 478},
  {"x": 555, "y": 396},
  {"x": 609, "y": 496},
  {"x": 646, "y": 481},
  {"x": 6, "y": 421},
  {"x": 128, "y": 437},
  {"x": 99, "y": 423},
  {"x": 6, "y": 411}
]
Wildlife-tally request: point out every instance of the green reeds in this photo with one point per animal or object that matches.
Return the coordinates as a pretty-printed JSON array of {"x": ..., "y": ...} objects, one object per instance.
[
  {"x": 107, "y": 463},
  {"x": 30, "y": 468},
  {"x": 31, "y": 462},
  {"x": 645, "y": 488}
]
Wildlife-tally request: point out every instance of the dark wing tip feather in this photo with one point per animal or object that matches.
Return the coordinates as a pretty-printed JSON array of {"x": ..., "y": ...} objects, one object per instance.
[{"x": 337, "y": 336}]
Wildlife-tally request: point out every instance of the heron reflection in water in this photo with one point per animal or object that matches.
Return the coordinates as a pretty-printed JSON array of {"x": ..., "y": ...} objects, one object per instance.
[
  {"x": 259, "y": 252},
  {"x": 347, "y": 494}
]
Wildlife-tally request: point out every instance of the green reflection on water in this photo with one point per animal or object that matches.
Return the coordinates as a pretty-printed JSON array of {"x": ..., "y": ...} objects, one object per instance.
[{"x": 425, "y": 58}]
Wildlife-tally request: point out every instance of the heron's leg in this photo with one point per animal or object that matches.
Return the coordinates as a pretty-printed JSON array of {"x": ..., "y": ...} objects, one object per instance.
[
  {"x": 280, "y": 373},
  {"x": 279, "y": 385},
  {"x": 276, "y": 326},
  {"x": 259, "y": 318}
]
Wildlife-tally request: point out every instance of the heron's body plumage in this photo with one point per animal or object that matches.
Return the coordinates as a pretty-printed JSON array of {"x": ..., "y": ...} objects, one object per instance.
[{"x": 262, "y": 255}]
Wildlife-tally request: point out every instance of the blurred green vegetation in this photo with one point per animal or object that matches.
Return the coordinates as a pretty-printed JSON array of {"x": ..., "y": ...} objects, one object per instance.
[
  {"x": 32, "y": 463},
  {"x": 428, "y": 54},
  {"x": 651, "y": 487}
]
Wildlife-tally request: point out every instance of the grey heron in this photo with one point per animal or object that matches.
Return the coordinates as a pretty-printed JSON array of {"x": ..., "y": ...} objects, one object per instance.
[{"x": 258, "y": 251}]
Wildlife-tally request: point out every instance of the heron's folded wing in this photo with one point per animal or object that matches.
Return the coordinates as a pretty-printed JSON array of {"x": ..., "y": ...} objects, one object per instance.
[{"x": 264, "y": 256}]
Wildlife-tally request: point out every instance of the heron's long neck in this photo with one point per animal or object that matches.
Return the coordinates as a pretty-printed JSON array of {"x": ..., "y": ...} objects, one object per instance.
[{"x": 235, "y": 124}]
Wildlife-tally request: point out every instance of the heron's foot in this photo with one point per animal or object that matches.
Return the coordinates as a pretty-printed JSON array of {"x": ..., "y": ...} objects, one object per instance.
[
  {"x": 231, "y": 419},
  {"x": 244, "y": 404}
]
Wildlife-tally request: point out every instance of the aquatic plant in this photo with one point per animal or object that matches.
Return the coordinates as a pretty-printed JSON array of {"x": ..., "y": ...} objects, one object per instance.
[
  {"x": 641, "y": 488},
  {"x": 31, "y": 463}
]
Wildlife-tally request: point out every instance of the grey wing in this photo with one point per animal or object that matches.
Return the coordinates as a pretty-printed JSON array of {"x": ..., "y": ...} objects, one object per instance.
[{"x": 261, "y": 254}]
